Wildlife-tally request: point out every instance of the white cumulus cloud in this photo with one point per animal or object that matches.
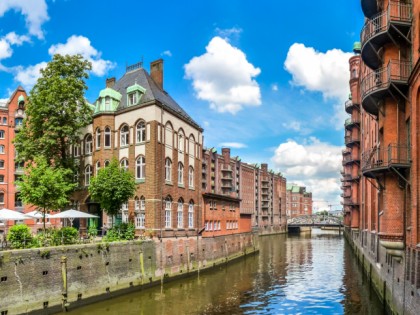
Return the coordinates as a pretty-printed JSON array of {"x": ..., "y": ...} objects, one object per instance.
[
  {"x": 167, "y": 53},
  {"x": 81, "y": 45},
  {"x": 327, "y": 72},
  {"x": 34, "y": 11},
  {"x": 28, "y": 76},
  {"x": 312, "y": 163},
  {"x": 224, "y": 77},
  {"x": 8, "y": 41}
]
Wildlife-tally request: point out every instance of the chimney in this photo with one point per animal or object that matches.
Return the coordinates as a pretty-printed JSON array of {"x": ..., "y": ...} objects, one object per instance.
[
  {"x": 156, "y": 72},
  {"x": 264, "y": 167},
  {"x": 110, "y": 82},
  {"x": 226, "y": 155}
]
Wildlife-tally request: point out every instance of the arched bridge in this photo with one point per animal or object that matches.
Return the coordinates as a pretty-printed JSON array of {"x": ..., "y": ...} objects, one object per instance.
[{"x": 315, "y": 220}]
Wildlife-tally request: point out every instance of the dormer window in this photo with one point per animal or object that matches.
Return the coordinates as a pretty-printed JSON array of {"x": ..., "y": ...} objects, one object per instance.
[
  {"x": 132, "y": 98},
  {"x": 107, "y": 103}
]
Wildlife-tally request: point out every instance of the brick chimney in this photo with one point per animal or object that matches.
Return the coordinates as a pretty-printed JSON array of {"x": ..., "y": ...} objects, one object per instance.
[
  {"x": 156, "y": 72},
  {"x": 264, "y": 167},
  {"x": 110, "y": 82},
  {"x": 226, "y": 155}
]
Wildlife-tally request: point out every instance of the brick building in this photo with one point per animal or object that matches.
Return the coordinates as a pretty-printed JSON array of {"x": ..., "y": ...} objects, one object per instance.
[
  {"x": 137, "y": 122},
  {"x": 299, "y": 201},
  {"x": 381, "y": 208}
]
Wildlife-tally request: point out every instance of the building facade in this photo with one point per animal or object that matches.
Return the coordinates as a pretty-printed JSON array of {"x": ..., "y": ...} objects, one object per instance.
[
  {"x": 382, "y": 213},
  {"x": 137, "y": 122},
  {"x": 299, "y": 201}
]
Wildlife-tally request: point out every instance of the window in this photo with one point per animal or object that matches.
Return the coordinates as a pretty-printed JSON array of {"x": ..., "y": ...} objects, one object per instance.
[
  {"x": 2, "y": 149},
  {"x": 180, "y": 141},
  {"x": 1, "y": 197},
  {"x": 4, "y": 120},
  {"x": 76, "y": 149},
  {"x": 1, "y": 163},
  {"x": 98, "y": 138},
  {"x": 132, "y": 98},
  {"x": 140, "y": 207},
  {"x": 88, "y": 144},
  {"x": 124, "y": 212},
  {"x": 141, "y": 167},
  {"x": 140, "y": 132},
  {"x": 1, "y": 134},
  {"x": 168, "y": 205},
  {"x": 180, "y": 214},
  {"x": 168, "y": 169},
  {"x": 1, "y": 178},
  {"x": 180, "y": 173},
  {"x": 107, "y": 137},
  {"x": 124, "y": 164},
  {"x": 125, "y": 136},
  {"x": 18, "y": 121},
  {"x": 106, "y": 163},
  {"x": 107, "y": 103},
  {"x": 98, "y": 167},
  {"x": 88, "y": 174},
  {"x": 191, "y": 215},
  {"x": 191, "y": 177}
]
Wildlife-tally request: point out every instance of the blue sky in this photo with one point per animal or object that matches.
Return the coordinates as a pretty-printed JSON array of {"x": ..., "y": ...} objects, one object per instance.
[{"x": 267, "y": 78}]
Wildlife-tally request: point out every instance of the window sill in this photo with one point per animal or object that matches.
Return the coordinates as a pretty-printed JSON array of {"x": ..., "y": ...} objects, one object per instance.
[
  {"x": 181, "y": 186},
  {"x": 168, "y": 183},
  {"x": 169, "y": 229},
  {"x": 124, "y": 146},
  {"x": 140, "y": 180},
  {"x": 191, "y": 188},
  {"x": 141, "y": 143}
]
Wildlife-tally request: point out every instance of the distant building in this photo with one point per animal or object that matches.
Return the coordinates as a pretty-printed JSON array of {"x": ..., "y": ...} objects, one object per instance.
[{"x": 299, "y": 201}]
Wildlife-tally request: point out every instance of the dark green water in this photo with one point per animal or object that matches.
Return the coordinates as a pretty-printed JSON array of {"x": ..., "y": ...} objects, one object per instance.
[{"x": 311, "y": 274}]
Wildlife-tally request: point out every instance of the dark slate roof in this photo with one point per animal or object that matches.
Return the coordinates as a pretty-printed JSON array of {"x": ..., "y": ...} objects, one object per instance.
[{"x": 153, "y": 92}]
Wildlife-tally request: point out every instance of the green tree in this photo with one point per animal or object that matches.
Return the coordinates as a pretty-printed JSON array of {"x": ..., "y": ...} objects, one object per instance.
[
  {"x": 56, "y": 111},
  {"x": 46, "y": 186},
  {"x": 112, "y": 187}
]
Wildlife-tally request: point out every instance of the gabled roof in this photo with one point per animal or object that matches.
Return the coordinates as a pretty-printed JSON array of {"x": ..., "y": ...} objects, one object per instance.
[{"x": 153, "y": 92}]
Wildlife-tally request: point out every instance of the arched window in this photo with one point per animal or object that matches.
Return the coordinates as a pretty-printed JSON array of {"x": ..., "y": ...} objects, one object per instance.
[
  {"x": 191, "y": 214},
  {"x": 180, "y": 214},
  {"x": 168, "y": 169},
  {"x": 140, "y": 208},
  {"x": 2, "y": 149},
  {"x": 88, "y": 174},
  {"x": 140, "y": 132},
  {"x": 124, "y": 164},
  {"x": 1, "y": 134},
  {"x": 180, "y": 173},
  {"x": 168, "y": 212},
  {"x": 76, "y": 149},
  {"x": 88, "y": 144},
  {"x": 98, "y": 138},
  {"x": 191, "y": 177},
  {"x": 191, "y": 146},
  {"x": 106, "y": 163},
  {"x": 125, "y": 136},
  {"x": 180, "y": 141},
  {"x": 141, "y": 167},
  {"x": 107, "y": 132},
  {"x": 169, "y": 135},
  {"x": 98, "y": 167}
]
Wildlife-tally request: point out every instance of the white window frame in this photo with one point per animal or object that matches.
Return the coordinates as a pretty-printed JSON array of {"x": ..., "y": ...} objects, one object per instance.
[
  {"x": 98, "y": 138},
  {"x": 124, "y": 136},
  {"x": 180, "y": 215},
  {"x": 141, "y": 132},
  {"x": 88, "y": 144},
  {"x": 2, "y": 134},
  {"x": 97, "y": 167},
  {"x": 107, "y": 134},
  {"x": 132, "y": 98},
  {"x": 141, "y": 167},
  {"x": 124, "y": 164},
  {"x": 191, "y": 215},
  {"x": 168, "y": 213},
  {"x": 168, "y": 170},
  {"x": 190, "y": 177},
  {"x": 180, "y": 173},
  {"x": 88, "y": 174}
]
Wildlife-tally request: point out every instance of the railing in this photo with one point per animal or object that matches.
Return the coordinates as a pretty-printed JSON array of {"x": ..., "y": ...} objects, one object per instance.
[
  {"x": 346, "y": 151},
  {"x": 351, "y": 139},
  {"x": 385, "y": 157},
  {"x": 227, "y": 168},
  {"x": 346, "y": 177},
  {"x": 395, "y": 70},
  {"x": 352, "y": 121},
  {"x": 396, "y": 12},
  {"x": 348, "y": 104}
]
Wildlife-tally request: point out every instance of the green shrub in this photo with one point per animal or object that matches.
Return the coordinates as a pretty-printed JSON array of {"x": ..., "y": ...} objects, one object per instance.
[
  {"x": 69, "y": 235},
  {"x": 112, "y": 235},
  {"x": 130, "y": 231},
  {"x": 20, "y": 236},
  {"x": 92, "y": 231}
]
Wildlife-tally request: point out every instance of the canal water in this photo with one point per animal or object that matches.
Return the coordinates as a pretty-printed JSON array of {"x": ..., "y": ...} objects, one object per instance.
[{"x": 307, "y": 274}]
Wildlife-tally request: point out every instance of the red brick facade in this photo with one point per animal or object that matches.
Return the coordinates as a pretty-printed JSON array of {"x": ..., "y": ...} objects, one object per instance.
[{"x": 299, "y": 201}]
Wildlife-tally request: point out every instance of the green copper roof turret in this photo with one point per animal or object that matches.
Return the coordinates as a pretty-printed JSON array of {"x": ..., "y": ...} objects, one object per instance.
[
  {"x": 357, "y": 47},
  {"x": 111, "y": 93}
]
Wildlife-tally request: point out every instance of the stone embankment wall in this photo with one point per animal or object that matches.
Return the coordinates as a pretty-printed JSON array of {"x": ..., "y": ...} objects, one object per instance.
[
  {"x": 48, "y": 279},
  {"x": 390, "y": 276}
]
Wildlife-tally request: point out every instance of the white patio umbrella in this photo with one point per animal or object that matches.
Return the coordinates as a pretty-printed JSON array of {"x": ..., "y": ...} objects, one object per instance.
[
  {"x": 72, "y": 214},
  {"x": 11, "y": 215},
  {"x": 37, "y": 214}
]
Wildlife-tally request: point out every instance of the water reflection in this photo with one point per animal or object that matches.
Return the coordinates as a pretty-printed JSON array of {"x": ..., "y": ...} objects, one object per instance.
[{"x": 311, "y": 274}]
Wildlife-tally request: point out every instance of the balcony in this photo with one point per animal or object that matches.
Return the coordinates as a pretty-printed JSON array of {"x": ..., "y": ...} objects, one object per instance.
[
  {"x": 369, "y": 8},
  {"x": 348, "y": 159},
  {"x": 349, "y": 105},
  {"x": 352, "y": 122},
  {"x": 351, "y": 140},
  {"x": 389, "y": 26},
  {"x": 347, "y": 178},
  {"x": 226, "y": 184},
  {"x": 349, "y": 202},
  {"x": 380, "y": 160},
  {"x": 390, "y": 80},
  {"x": 227, "y": 168}
]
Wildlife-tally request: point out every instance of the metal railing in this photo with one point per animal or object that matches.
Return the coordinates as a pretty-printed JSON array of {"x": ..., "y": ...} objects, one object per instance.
[
  {"x": 385, "y": 157},
  {"x": 352, "y": 121},
  {"x": 351, "y": 139},
  {"x": 396, "y": 12},
  {"x": 395, "y": 71},
  {"x": 348, "y": 104}
]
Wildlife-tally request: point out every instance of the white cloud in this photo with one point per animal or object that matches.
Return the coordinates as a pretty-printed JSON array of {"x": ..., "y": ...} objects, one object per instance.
[
  {"x": 327, "y": 72},
  {"x": 7, "y": 41},
  {"x": 35, "y": 12},
  {"x": 167, "y": 53},
  {"x": 292, "y": 125},
  {"x": 224, "y": 77},
  {"x": 274, "y": 87},
  {"x": 81, "y": 45},
  {"x": 228, "y": 32},
  {"x": 314, "y": 164},
  {"x": 235, "y": 145},
  {"x": 28, "y": 76}
]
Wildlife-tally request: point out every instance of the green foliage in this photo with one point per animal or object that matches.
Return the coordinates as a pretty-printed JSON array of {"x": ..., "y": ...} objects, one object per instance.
[
  {"x": 121, "y": 232},
  {"x": 56, "y": 237},
  {"x": 92, "y": 231},
  {"x": 20, "y": 236},
  {"x": 69, "y": 235},
  {"x": 112, "y": 187},
  {"x": 56, "y": 111},
  {"x": 45, "y": 186}
]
